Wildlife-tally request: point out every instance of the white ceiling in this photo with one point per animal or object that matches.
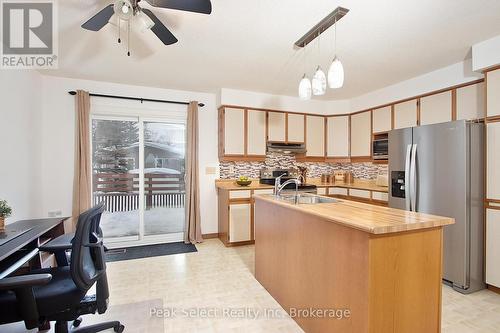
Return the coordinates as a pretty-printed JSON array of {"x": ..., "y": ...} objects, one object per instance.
[{"x": 248, "y": 45}]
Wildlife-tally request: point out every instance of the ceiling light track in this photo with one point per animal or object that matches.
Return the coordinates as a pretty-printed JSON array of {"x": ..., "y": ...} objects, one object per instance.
[{"x": 322, "y": 26}]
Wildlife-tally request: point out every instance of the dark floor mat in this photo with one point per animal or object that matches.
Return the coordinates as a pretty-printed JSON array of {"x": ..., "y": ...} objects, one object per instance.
[{"x": 137, "y": 252}]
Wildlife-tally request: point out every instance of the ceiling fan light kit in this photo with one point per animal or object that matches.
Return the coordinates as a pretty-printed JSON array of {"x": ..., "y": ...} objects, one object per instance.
[
  {"x": 127, "y": 10},
  {"x": 336, "y": 69}
]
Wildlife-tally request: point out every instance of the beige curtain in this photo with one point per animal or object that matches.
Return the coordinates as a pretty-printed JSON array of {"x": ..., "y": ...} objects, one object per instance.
[
  {"x": 192, "y": 232},
  {"x": 82, "y": 177}
]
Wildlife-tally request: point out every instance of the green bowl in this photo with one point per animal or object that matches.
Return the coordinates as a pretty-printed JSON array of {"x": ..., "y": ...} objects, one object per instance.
[{"x": 243, "y": 182}]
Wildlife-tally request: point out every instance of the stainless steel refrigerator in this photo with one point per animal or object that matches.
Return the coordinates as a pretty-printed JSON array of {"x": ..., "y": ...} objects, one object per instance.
[{"x": 439, "y": 169}]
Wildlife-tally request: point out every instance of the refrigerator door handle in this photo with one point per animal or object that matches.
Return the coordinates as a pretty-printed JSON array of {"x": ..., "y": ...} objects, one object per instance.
[
  {"x": 407, "y": 177},
  {"x": 413, "y": 178}
]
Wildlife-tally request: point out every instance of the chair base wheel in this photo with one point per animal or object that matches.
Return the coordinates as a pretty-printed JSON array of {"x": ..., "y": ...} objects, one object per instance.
[
  {"x": 119, "y": 329},
  {"x": 77, "y": 322}
]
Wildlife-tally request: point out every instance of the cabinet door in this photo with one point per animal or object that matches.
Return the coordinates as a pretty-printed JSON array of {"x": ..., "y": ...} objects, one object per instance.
[
  {"x": 361, "y": 137},
  {"x": 359, "y": 193},
  {"x": 492, "y": 247},
  {"x": 470, "y": 102},
  {"x": 256, "y": 140},
  {"x": 240, "y": 222},
  {"x": 382, "y": 120},
  {"x": 295, "y": 127},
  {"x": 436, "y": 108},
  {"x": 315, "y": 136},
  {"x": 338, "y": 191},
  {"x": 405, "y": 114},
  {"x": 234, "y": 131},
  {"x": 276, "y": 126},
  {"x": 493, "y": 161},
  {"x": 338, "y": 136},
  {"x": 493, "y": 93}
]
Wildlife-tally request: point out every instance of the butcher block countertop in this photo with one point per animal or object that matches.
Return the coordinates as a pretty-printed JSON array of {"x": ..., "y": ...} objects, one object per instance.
[
  {"x": 359, "y": 184},
  {"x": 368, "y": 218}
]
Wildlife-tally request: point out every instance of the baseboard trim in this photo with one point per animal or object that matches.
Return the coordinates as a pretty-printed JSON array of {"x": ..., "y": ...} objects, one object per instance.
[
  {"x": 493, "y": 288},
  {"x": 209, "y": 236}
]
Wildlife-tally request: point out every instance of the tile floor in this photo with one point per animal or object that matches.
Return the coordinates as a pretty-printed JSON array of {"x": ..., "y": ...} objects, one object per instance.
[{"x": 222, "y": 278}]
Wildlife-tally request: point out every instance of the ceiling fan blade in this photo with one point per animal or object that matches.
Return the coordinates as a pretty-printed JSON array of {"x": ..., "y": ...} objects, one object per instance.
[
  {"x": 160, "y": 30},
  {"x": 100, "y": 19},
  {"x": 197, "y": 6}
]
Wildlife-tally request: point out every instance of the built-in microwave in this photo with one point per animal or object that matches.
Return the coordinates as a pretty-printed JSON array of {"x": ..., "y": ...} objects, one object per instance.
[{"x": 381, "y": 149}]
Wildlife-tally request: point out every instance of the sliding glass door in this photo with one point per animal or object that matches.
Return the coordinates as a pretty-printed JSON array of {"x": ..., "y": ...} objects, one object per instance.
[{"x": 138, "y": 171}]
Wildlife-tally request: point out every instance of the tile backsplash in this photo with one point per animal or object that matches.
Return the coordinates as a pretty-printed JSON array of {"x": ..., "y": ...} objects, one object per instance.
[{"x": 231, "y": 170}]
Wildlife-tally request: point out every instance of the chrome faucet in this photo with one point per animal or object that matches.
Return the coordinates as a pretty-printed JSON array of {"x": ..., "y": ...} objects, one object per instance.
[
  {"x": 277, "y": 183},
  {"x": 280, "y": 187}
]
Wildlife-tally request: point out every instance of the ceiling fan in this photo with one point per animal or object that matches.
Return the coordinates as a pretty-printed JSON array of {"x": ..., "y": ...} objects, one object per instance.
[{"x": 127, "y": 10}]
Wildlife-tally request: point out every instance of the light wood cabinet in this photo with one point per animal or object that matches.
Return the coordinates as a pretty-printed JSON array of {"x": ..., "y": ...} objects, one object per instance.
[
  {"x": 436, "y": 108},
  {"x": 315, "y": 136},
  {"x": 295, "y": 129},
  {"x": 493, "y": 247},
  {"x": 338, "y": 137},
  {"x": 338, "y": 191},
  {"x": 493, "y": 93},
  {"x": 405, "y": 114},
  {"x": 234, "y": 129},
  {"x": 361, "y": 137},
  {"x": 240, "y": 216},
  {"x": 276, "y": 126},
  {"x": 322, "y": 191},
  {"x": 256, "y": 134},
  {"x": 382, "y": 120},
  {"x": 493, "y": 160},
  {"x": 471, "y": 102},
  {"x": 380, "y": 196},
  {"x": 359, "y": 193}
]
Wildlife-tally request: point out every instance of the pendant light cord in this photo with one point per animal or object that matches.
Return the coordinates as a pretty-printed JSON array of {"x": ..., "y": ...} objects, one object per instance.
[
  {"x": 128, "y": 38},
  {"x": 335, "y": 39},
  {"x": 119, "y": 30}
]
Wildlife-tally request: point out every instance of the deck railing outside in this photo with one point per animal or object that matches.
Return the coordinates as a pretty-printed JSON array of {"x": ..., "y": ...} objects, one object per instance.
[{"x": 120, "y": 191}]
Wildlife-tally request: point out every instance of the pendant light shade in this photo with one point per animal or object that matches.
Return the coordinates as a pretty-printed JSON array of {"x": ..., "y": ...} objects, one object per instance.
[
  {"x": 319, "y": 82},
  {"x": 336, "y": 74},
  {"x": 305, "y": 89}
]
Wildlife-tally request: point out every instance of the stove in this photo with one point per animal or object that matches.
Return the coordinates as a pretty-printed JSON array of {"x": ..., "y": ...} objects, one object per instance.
[{"x": 268, "y": 176}]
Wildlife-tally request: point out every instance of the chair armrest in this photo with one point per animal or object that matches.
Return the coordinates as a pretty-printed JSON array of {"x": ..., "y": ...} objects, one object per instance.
[
  {"x": 24, "y": 281},
  {"x": 60, "y": 243}
]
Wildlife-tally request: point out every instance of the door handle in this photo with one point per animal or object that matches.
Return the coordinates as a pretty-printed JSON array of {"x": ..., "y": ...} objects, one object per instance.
[
  {"x": 413, "y": 178},
  {"x": 407, "y": 178}
]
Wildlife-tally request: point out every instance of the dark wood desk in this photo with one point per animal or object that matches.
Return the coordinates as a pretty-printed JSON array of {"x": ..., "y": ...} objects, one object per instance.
[{"x": 40, "y": 232}]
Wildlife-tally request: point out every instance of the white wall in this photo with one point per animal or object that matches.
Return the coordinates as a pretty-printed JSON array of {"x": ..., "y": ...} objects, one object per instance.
[
  {"x": 442, "y": 78},
  {"x": 486, "y": 54},
  {"x": 280, "y": 102},
  {"x": 58, "y": 124},
  {"x": 19, "y": 142}
]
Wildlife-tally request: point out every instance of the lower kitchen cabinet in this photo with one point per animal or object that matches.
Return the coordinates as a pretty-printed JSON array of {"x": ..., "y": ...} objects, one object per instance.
[
  {"x": 240, "y": 222},
  {"x": 493, "y": 247}
]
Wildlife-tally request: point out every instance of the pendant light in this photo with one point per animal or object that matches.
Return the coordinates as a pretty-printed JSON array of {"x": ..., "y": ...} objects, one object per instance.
[
  {"x": 319, "y": 78},
  {"x": 305, "y": 87},
  {"x": 336, "y": 71}
]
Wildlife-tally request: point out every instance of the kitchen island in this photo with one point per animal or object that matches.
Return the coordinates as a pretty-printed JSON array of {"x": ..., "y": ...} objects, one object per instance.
[{"x": 347, "y": 266}]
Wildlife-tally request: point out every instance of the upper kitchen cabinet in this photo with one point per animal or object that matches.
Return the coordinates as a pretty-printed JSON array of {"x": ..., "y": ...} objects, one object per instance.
[
  {"x": 493, "y": 93},
  {"x": 315, "y": 136},
  {"x": 338, "y": 137},
  {"x": 276, "y": 127},
  {"x": 436, "y": 108},
  {"x": 256, "y": 133},
  {"x": 470, "y": 102},
  {"x": 361, "y": 138},
  {"x": 405, "y": 114},
  {"x": 295, "y": 127},
  {"x": 493, "y": 160},
  {"x": 232, "y": 129},
  {"x": 382, "y": 120}
]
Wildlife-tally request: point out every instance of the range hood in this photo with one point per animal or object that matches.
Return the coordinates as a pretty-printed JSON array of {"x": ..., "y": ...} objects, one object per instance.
[{"x": 286, "y": 148}]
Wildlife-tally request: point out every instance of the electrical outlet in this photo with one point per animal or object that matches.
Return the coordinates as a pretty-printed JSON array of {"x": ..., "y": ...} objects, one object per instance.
[
  {"x": 210, "y": 170},
  {"x": 55, "y": 213},
  {"x": 231, "y": 169}
]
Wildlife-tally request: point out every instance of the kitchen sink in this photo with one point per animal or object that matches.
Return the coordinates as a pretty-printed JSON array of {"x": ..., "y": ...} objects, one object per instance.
[{"x": 307, "y": 199}]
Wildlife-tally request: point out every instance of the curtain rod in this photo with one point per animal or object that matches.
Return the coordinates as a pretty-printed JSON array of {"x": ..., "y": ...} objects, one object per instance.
[{"x": 138, "y": 99}]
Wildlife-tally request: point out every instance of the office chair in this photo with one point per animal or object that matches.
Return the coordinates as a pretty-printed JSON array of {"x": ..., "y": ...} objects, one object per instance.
[{"x": 59, "y": 294}]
